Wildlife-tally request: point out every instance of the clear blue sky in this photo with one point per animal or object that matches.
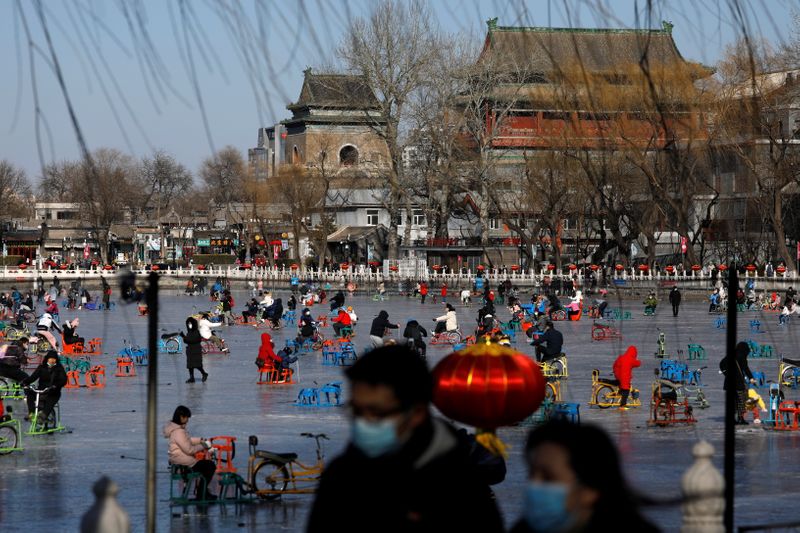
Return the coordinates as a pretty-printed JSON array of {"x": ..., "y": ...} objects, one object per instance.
[{"x": 92, "y": 36}]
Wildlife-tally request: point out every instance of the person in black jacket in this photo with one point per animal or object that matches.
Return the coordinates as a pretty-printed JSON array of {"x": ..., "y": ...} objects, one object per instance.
[
  {"x": 737, "y": 375},
  {"x": 675, "y": 300},
  {"x": 414, "y": 334},
  {"x": 273, "y": 313},
  {"x": 52, "y": 378},
  {"x": 405, "y": 469},
  {"x": 70, "y": 335},
  {"x": 379, "y": 326},
  {"x": 337, "y": 301},
  {"x": 549, "y": 344},
  {"x": 194, "y": 349},
  {"x": 13, "y": 359},
  {"x": 575, "y": 483}
]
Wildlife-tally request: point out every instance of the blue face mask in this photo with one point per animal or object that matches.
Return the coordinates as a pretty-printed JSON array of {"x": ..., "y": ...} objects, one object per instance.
[
  {"x": 545, "y": 507},
  {"x": 375, "y": 438}
]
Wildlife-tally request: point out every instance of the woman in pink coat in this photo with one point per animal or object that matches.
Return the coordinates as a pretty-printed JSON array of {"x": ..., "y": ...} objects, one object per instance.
[
  {"x": 623, "y": 371},
  {"x": 183, "y": 447}
]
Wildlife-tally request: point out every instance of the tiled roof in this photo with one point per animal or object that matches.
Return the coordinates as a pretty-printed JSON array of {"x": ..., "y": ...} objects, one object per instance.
[
  {"x": 546, "y": 50},
  {"x": 335, "y": 90}
]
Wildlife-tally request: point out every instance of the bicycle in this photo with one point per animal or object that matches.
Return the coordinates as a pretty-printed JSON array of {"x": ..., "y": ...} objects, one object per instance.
[
  {"x": 10, "y": 389},
  {"x": 556, "y": 367},
  {"x": 10, "y": 434},
  {"x": 271, "y": 475},
  {"x": 606, "y": 393},
  {"x": 170, "y": 343},
  {"x": 447, "y": 337},
  {"x": 40, "y": 425},
  {"x": 789, "y": 372}
]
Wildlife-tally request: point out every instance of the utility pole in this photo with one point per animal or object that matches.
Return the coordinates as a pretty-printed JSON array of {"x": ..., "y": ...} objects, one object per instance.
[
  {"x": 730, "y": 398},
  {"x": 152, "y": 399}
]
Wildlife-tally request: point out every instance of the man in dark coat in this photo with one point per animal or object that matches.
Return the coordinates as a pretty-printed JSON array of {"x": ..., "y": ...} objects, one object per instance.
[
  {"x": 194, "y": 349},
  {"x": 737, "y": 374},
  {"x": 379, "y": 326},
  {"x": 13, "y": 359},
  {"x": 675, "y": 300},
  {"x": 549, "y": 344},
  {"x": 52, "y": 378},
  {"x": 403, "y": 469}
]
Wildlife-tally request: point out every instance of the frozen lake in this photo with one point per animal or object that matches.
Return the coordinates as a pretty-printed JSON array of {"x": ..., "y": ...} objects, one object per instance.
[{"x": 58, "y": 470}]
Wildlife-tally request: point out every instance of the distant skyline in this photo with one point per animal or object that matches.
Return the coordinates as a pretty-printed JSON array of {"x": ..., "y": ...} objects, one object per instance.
[{"x": 295, "y": 35}]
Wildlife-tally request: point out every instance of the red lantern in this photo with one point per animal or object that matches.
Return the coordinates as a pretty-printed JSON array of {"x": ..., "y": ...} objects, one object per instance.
[
  {"x": 696, "y": 268},
  {"x": 275, "y": 243},
  {"x": 95, "y": 262},
  {"x": 781, "y": 269},
  {"x": 480, "y": 267},
  {"x": 63, "y": 267},
  {"x": 436, "y": 268},
  {"x": 619, "y": 268},
  {"x": 723, "y": 268},
  {"x": 201, "y": 267},
  {"x": 344, "y": 266},
  {"x": 551, "y": 267},
  {"x": 393, "y": 268},
  {"x": 750, "y": 268},
  {"x": 670, "y": 269},
  {"x": 643, "y": 268},
  {"x": 594, "y": 268},
  {"x": 154, "y": 267},
  {"x": 573, "y": 266},
  {"x": 374, "y": 264},
  {"x": 262, "y": 242},
  {"x": 23, "y": 266},
  {"x": 108, "y": 267},
  {"x": 247, "y": 266},
  {"x": 487, "y": 386},
  {"x": 514, "y": 268},
  {"x": 294, "y": 266}
]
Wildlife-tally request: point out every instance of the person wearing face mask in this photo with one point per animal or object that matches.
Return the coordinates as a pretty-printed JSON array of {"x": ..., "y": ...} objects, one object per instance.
[
  {"x": 404, "y": 470},
  {"x": 52, "y": 378},
  {"x": 571, "y": 490}
]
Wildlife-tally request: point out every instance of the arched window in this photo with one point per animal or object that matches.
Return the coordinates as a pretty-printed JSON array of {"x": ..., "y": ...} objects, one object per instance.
[
  {"x": 295, "y": 155},
  {"x": 348, "y": 156}
]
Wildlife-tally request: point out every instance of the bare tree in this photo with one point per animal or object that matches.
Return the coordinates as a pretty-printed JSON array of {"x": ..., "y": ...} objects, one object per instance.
[
  {"x": 224, "y": 174},
  {"x": 392, "y": 50},
  {"x": 58, "y": 180},
  {"x": 160, "y": 180},
  {"x": 104, "y": 191},
  {"x": 296, "y": 186}
]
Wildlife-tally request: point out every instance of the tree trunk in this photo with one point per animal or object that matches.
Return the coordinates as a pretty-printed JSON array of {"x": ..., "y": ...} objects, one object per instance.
[{"x": 780, "y": 232}]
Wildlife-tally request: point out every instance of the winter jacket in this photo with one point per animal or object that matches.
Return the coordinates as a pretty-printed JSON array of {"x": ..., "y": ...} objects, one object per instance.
[
  {"x": 624, "y": 365},
  {"x": 46, "y": 322},
  {"x": 266, "y": 352},
  {"x": 48, "y": 377},
  {"x": 430, "y": 484},
  {"x": 306, "y": 324},
  {"x": 343, "y": 318},
  {"x": 736, "y": 369},
  {"x": 275, "y": 310},
  {"x": 675, "y": 296},
  {"x": 553, "y": 339},
  {"x": 380, "y": 323},
  {"x": 204, "y": 327},
  {"x": 193, "y": 340},
  {"x": 414, "y": 332},
  {"x": 450, "y": 320},
  {"x": 13, "y": 356},
  {"x": 182, "y": 447}
]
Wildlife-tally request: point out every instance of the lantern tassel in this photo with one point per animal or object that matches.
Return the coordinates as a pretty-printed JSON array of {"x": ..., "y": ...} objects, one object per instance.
[{"x": 490, "y": 441}]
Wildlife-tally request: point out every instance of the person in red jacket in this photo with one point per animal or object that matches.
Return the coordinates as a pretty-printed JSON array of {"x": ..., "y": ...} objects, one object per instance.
[
  {"x": 342, "y": 320},
  {"x": 268, "y": 357},
  {"x": 444, "y": 293},
  {"x": 423, "y": 291},
  {"x": 623, "y": 371}
]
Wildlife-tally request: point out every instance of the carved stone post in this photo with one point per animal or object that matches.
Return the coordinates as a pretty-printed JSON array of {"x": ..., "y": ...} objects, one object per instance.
[
  {"x": 105, "y": 515},
  {"x": 703, "y": 487}
]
